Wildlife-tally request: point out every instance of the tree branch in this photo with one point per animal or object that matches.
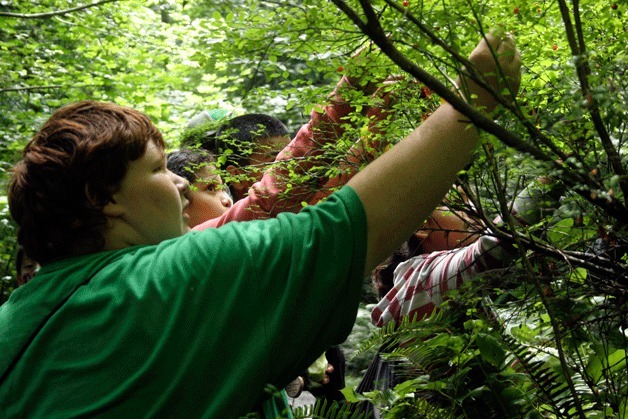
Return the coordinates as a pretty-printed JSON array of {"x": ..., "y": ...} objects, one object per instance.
[
  {"x": 47, "y": 15},
  {"x": 578, "y": 50},
  {"x": 375, "y": 32},
  {"x": 29, "y": 88}
]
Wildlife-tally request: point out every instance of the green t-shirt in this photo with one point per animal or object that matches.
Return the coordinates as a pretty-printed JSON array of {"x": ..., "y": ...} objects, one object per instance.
[{"x": 195, "y": 326}]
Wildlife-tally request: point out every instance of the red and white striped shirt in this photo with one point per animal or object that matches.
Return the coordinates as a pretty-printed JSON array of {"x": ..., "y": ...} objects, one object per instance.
[{"x": 421, "y": 281}]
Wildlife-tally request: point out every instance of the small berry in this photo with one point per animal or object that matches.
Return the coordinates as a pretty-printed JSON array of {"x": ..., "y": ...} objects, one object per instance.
[
  {"x": 406, "y": 3},
  {"x": 341, "y": 69},
  {"x": 516, "y": 10},
  {"x": 614, "y": 6},
  {"x": 554, "y": 47},
  {"x": 579, "y": 221}
]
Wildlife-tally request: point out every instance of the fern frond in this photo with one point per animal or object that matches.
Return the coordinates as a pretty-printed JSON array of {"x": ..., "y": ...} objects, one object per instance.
[
  {"x": 325, "y": 409},
  {"x": 550, "y": 386}
]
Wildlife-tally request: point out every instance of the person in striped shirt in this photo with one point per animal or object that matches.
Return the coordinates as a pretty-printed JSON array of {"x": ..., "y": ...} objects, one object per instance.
[{"x": 445, "y": 252}]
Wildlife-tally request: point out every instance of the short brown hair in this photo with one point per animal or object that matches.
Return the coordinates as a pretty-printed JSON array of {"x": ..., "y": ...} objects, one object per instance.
[{"x": 69, "y": 172}]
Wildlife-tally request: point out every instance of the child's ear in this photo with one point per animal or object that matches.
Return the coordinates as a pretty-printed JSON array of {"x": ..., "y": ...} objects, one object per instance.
[
  {"x": 113, "y": 210},
  {"x": 110, "y": 209}
]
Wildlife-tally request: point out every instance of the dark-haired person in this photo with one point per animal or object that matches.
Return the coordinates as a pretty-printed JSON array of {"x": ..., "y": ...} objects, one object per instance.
[
  {"x": 129, "y": 315},
  {"x": 209, "y": 197},
  {"x": 261, "y": 192},
  {"x": 255, "y": 140}
]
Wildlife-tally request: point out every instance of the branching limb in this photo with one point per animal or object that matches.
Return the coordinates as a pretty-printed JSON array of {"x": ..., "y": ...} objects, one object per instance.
[
  {"x": 47, "y": 15},
  {"x": 578, "y": 50},
  {"x": 373, "y": 29}
]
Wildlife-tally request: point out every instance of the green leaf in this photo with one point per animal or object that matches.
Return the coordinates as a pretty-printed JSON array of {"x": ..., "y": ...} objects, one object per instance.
[
  {"x": 578, "y": 275},
  {"x": 490, "y": 349},
  {"x": 561, "y": 231},
  {"x": 351, "y": 395},
  {"x": 599, "y": 364}
]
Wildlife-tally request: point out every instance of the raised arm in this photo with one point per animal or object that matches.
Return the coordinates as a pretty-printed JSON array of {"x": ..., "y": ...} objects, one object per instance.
[
  {"x": 270, "y": 196},
  {"x": 373, "y": 142},
  {"x": 412, "y": 178}
]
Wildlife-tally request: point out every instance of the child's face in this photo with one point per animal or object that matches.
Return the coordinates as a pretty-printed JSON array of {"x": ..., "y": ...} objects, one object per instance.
[
  {"x": 265, "y": 152},
  {"x": 209, "y": 197}
]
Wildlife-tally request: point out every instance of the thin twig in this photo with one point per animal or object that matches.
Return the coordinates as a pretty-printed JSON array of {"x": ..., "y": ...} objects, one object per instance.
[
  {"x": 29, "y": 88},
  {"x": 47, "y": 15}
]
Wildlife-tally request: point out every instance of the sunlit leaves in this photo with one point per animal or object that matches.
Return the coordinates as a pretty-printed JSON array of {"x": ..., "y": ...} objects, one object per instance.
[{"x": 173, "y": 58}]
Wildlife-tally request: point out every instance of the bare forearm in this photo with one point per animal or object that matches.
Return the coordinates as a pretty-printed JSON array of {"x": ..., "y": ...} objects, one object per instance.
[
  {"x": 403, "y": 186},
  {"x": 399, "y": 189}
]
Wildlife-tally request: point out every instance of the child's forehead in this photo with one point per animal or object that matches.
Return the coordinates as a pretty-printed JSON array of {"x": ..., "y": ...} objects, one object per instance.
[
  {"x": 209, "y": 167},
  {"x": 207, "y": 171}
]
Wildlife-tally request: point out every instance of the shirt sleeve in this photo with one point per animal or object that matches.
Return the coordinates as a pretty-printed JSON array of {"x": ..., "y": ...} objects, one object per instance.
[{"x": 421, "y": 282}]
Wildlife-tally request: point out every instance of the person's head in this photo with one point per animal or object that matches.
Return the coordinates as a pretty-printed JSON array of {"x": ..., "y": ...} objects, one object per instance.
[
  {"x": 25, "y": 267},
  {"x": 383, "y": 276},
  {"x": 443, "y": 230},
  {"x": 94, "y": 178},
  {"x": 209, "y": 197},
  {"x": 446, "y": 229},
  {"x": 254, "y": 140}
]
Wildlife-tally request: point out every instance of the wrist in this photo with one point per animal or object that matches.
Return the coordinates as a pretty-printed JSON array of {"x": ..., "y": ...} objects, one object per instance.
[{"x": 475, "y": 96}]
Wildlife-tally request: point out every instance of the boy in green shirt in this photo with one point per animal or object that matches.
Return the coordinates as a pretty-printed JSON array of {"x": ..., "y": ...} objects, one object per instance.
[{"x": 129, "y": 315}]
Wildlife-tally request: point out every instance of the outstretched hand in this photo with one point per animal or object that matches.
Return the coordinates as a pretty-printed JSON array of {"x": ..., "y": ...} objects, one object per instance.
[{"x": 503, "y": 75}]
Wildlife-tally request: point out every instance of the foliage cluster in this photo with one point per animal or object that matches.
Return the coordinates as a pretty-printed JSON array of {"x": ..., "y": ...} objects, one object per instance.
[{"x": 548, "y": 336}]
